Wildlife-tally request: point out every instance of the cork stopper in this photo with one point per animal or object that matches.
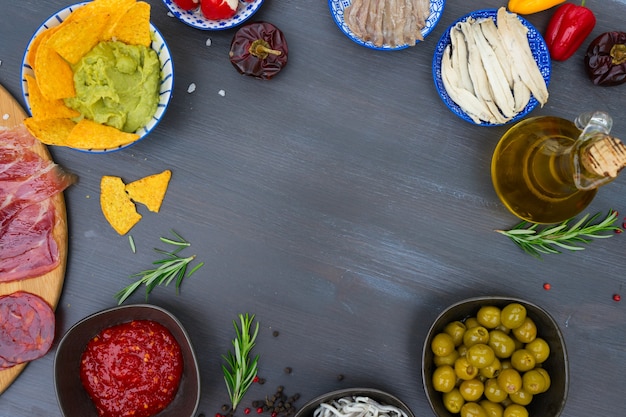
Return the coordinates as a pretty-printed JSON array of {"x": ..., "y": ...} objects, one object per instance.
[{"x": 605, "y": 157}]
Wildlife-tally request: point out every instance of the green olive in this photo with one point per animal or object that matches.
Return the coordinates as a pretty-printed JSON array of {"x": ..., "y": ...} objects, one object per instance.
[
  {"x": 521, "y": 397},
  {"x": 471, "y": 322},
  {"x": 491, "y": 408},
  {"x": 515, "y": 410},
  {"x": 523, "y": 360},
  {"x": 539, "y": 348},
  {"x": 480, "y": 355},
  {"x": 493, "y": 391},
  {"x": 444, "y": 378},
  {"x": 492, "y": 370},
  {"x": 502, "y": 344},
  {"x": 472, "y": 390},
  {"x": 546, "y": 376},
  {"x": 488, "y": 316},
  {"x": 464, "y": 370},
  {"x": 533, "y": 382},
  {"x": 442, "y": 344},
  {"x": 513, "y": 315},
  {"x": 472, "y": 409},
  {"x": 510, "y": 380},
  {"x": 475, "y": 335},
  {"x": 462, "y": 350},
  {"x": 526, "y": 332},
  {"x": 453, "y": 401},
  {"x": 456, "y": 330},
  {"x": 446, "y": 360}
]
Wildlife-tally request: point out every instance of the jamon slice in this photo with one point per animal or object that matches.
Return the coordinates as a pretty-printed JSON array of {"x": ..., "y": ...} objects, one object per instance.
[
  {"x": 27, "y": 179},
  {"x": 27, "y": 326},
  {"x": 28, "y": 248}
]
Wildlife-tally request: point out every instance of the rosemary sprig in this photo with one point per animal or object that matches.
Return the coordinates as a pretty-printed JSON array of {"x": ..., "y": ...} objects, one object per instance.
[
  {"x": 562, "y": 236},
  {"x": 170, "y": 267},
  {"x": 241, "y": 370}
]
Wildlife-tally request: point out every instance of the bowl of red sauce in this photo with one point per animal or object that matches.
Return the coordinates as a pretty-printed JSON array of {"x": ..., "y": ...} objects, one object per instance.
[{"x": 127, "y": 360}]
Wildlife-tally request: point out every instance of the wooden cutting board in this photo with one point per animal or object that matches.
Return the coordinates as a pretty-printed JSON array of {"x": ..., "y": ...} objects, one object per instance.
[{"x": 47, "y": 286}]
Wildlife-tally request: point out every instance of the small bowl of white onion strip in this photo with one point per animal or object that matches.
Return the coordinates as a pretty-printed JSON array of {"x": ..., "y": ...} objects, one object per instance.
[{"x": 355, "y": 402}]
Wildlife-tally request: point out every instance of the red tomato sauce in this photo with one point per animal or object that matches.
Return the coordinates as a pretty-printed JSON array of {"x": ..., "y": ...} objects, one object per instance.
[{"x": 132, "y": 369}]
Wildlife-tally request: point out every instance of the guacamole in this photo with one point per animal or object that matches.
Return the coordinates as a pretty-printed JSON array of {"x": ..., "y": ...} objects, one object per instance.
[{"x": 117, "y": 85}]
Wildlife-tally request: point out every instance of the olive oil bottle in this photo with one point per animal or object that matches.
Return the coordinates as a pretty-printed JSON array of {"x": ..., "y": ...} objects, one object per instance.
[{"x": 548, "y": 169}]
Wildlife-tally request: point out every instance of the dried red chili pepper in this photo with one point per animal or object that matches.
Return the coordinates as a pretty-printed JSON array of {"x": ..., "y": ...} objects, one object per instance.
[
  {"x": 567, "y": 30},
  {"x": 259, "y": 49},
  {"x": 605, "y": 60}
]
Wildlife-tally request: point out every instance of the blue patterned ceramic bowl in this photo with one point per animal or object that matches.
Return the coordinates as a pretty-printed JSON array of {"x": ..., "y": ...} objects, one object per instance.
[
  {"x": 167, "y": 74},
  {"x": 336, "y": 11},
  {"x": 537, "y": 45},
  {"x": 194, "y": 18}
]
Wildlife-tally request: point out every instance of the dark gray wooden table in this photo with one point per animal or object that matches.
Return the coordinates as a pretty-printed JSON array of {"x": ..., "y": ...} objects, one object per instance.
[{"x": 341, "y": 202}]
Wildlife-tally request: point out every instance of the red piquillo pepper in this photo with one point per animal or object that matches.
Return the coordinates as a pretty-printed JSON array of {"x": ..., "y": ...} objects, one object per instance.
[
  {"x": 259, "y": 49},
  {"x": 605, "y": 60},
  {"x": 568, "y": 28}
]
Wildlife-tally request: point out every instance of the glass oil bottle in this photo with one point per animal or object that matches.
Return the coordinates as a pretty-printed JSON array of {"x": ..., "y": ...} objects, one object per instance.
[{"x": 547, "y": 169}]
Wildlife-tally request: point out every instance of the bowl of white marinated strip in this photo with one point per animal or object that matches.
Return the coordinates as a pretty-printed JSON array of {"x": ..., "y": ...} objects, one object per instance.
[{"x": 364, "y": 402}]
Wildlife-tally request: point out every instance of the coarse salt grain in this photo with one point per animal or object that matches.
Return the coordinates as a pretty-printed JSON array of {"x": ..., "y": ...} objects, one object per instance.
[
  {"x": 170, "y": 14},
  {"x": 221, "y": 93},
  {"x": 5, "y": 116},
  {"x": 208, "y": 42},
  {"x": 191, "y": 88}
]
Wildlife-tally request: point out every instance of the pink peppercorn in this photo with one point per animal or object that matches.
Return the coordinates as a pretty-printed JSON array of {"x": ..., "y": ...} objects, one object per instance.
[
  {"x": 547, "y": 286},
  {"x": 617, "y": 297},
  {"x": 259, "y": 410}
]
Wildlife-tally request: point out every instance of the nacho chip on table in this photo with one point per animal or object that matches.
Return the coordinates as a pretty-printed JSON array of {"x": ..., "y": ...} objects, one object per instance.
[
  {"x": 50, "y": 131},
  {"x": 116, "y": 205},
  {"x": 42, "y": 108},
  {"x": 88, "y": 134},
  {"x": 150, "y": 190}
]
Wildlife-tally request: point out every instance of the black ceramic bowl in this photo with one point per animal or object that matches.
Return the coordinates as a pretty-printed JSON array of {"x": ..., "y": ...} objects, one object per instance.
[
  {"x": 547, "y": 404},
  {"x": 72, "y": 397},
  {"x": 377, "y": 395}
]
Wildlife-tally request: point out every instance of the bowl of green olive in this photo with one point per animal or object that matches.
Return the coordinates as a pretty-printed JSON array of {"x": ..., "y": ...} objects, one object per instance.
[{"x": 495, "y": 356}]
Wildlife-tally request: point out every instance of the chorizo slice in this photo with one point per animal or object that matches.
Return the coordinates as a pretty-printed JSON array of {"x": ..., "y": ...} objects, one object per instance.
[{"x": 27, "y": 326}]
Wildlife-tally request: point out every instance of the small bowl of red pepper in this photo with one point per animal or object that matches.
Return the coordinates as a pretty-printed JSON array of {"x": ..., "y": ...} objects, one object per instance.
[
  {"x": 220, "y": 16},
  {"x": 133, "y": 358}
]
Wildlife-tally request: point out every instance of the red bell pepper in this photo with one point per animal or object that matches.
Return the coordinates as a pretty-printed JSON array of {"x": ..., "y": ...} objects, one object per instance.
[{"x": 567, "y": 30}]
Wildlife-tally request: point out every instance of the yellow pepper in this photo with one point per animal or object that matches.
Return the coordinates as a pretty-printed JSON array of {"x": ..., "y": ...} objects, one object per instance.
[{"x": 531, "y": 6}]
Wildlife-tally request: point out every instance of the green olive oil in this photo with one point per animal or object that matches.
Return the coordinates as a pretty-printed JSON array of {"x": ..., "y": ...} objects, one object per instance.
[{"x": 533, "y": 170}]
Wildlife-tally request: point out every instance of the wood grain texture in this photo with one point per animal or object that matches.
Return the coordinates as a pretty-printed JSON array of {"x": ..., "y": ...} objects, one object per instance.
[
  {"x": 341, "y": 202},
  {"x": 47, "y": 286}
]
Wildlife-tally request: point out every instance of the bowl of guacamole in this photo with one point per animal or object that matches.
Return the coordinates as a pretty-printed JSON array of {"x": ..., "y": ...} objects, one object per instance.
[{"x": 119, "y": 84}]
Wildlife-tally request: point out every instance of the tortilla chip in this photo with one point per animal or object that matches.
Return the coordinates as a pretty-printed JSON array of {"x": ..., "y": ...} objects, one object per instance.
[
  {"x": 116, "y": 205},
  {"x": 91, "y": 135},
  {"x": 31, "y": 55},
  {"x": 50, "y": 131},
  {"x": 78, "y": 36},
  {"x": 133, "y": 28},
  {"x": 150, "y": 190},
  {"x": 42, "y": 108},
  {"x": 117, "y": 9},
  {"x": 53, "y": 74}
]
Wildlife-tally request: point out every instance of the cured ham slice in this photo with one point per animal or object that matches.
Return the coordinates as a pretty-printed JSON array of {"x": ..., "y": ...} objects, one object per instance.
[
  {"x": 27, "y": 219},
  {"x": 27, "y": 327}
]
